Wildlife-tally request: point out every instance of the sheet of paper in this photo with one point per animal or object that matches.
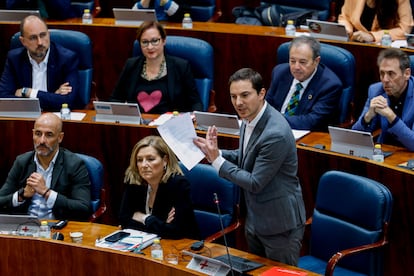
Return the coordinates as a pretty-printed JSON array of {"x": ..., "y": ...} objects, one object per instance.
[
  {"x": 179, "y": 133},
  {"x": 75, "y": 116},
  {"x": 299, "y": 133}
]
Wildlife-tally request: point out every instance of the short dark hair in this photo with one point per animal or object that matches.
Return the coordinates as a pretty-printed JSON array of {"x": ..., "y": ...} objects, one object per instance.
[
  {"x": 395, "y": 53},
  {"x": 248, "y": 74},
  {"x": 148, "y": 25},
  {"x": 311, "y": 41}
]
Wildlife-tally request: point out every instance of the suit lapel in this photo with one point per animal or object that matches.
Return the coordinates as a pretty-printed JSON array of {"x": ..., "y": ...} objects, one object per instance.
[{"x": 57, "y": 169}]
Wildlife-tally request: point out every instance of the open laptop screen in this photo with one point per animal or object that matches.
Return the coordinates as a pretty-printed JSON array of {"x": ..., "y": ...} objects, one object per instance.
[
  {"x": 327, "y": 30},
  {"x": 114, "y": 112},
  {"x": 20, "y": 107},
  {"x": 132, "y": 17}
]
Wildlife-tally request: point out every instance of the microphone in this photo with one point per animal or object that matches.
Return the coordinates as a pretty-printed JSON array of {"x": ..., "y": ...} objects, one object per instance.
[{"x": 216, "y": 201}]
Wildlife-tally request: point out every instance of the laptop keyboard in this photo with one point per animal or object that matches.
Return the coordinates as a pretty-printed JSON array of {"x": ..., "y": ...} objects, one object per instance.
[{"x": 238, "y": 263}]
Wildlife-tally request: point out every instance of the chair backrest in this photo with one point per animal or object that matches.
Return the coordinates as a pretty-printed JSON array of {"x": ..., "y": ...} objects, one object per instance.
[
  {"x": 289, "y": 6},
  {"x": 205, "y": 181},
  {"x": 77, "y": 8},
  {"x": 199, "y": 54},
  {"x": 342, "y": 63},
  {"x": 412, "y": 64},
  {"x": 96, "y": 177},
  {"x": 350, "y": 211},
  {"x": 204, "y": 10},
  {"x": 81, "y": 44}
]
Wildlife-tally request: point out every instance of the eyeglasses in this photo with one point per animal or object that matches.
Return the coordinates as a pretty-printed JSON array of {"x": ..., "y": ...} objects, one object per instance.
[{"x": 154, "y": 42}]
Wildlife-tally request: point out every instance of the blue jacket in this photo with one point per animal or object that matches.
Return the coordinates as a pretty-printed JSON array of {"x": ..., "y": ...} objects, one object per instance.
[
  {"x": 403, "y": 129},
  {"x": 319, "y": 103},
  {"x": 62, "y": 67}
]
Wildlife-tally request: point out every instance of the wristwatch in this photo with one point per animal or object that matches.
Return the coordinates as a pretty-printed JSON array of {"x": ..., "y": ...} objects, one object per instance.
[
  {"x": 24, "y": 90},
  {"x": 21, "y": 193}
]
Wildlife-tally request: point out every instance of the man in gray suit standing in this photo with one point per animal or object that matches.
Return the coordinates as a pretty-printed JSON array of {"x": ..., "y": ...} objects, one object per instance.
[{"x": 265, "y": 167}]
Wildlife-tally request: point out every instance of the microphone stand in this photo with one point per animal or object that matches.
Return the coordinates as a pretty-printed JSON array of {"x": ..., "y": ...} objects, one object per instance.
[{"x": 216, "y": 201}]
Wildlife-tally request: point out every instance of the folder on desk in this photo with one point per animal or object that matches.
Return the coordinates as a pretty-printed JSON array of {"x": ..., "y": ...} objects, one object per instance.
[{"x": 137, "y": 240}]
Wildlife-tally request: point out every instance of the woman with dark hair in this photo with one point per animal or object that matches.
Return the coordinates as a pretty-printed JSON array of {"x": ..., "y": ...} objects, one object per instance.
[
  {"x": 365, "y": 21},
  {"x": 157, "y": 195},
  {"x": 156, "y": 81}
]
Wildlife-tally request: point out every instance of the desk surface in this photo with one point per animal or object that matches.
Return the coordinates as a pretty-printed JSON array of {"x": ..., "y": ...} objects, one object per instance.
[{"x": 23, "y": 256}]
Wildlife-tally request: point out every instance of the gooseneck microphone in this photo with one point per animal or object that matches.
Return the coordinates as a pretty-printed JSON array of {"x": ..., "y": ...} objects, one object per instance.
[{"x": 216, "y": 201}]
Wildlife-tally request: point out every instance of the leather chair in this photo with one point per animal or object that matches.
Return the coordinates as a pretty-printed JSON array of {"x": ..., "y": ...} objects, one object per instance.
[
  {"x": 199, "y": 54},
  {"x": 342, "y": 63},
  {"x": 349, "y": 226},
  {"x": 82, "y": 45},
  {"x": 323, "y": 7},
  {"x": 205, "y": 10},
  {"x": 77, "y": 7},
  {"x": 205, "y": 181},
  {"x": 96, "y": 177},
  {"x": 412, "y": 64}
]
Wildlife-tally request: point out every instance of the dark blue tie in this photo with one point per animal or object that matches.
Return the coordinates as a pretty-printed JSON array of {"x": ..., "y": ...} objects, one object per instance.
[{"x": 294, "y": 101}]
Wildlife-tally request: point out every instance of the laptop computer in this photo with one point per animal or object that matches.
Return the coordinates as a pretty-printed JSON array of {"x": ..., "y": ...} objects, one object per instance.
[
  {"x": 228, "y": 124},
  {"x": 20, "y": 107},
  {"x": 327, "y": 30},
  {"x": 16, "y": 15},
  {"x": 114, "y": 112},
  {"x": 132, "y": 17},
  {"x": 352, "y": 142},
  {"x": 19, "y": 224}
]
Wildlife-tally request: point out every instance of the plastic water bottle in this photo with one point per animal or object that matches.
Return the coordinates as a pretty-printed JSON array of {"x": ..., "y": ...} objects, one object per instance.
[
  {"x": 156, "y": 250},
  {"x": 386, "y": 39},
  {"x": 187, "y": 21},
  {"x": 86, "y": 17},
  {"x": 378, "y": 155},
  {"x": 65, "y": 112},
  {"x": 44, "y": 231},
  {"x": 290, "y": 28}
]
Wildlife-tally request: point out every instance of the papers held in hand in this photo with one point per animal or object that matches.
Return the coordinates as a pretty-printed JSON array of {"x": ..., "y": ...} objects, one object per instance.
[{"x": 135, "y": 241}]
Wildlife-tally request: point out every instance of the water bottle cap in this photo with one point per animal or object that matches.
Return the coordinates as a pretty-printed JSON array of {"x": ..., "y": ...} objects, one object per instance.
[
  {"x": 86, "y": 11},
  {"x": 156, "y": 241},
  {"x": 186, "y": 14},
  {"x": 44, "y": 222},
  {"x": 377, "y": 146},
  {"x": 65, "y": 105},
  {"x": 290, "y": 22}
]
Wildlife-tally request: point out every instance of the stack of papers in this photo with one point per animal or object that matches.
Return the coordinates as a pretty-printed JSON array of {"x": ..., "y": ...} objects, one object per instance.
[{"x": 136, "y": 241}]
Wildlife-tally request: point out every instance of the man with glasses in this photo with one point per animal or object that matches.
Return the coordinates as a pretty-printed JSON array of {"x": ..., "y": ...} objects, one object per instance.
[
  {"x": 390, "y": 103},
  {"x": 158, "y": 82},
  {"x": 41, "y": 69},
  {"x": 304, "y": 90},
  {"x": 49, "y": 182}
]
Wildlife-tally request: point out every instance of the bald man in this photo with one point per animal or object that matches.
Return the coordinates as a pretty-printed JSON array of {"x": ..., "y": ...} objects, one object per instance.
[
  {"x": 41, "y": 69},
  {"x": 49, "y": 182}
]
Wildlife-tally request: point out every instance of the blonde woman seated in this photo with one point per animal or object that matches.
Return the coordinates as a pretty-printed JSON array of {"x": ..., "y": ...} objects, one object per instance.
[
  {"x": 366, "y": 20},
  {"x": 157, "y": 196}
]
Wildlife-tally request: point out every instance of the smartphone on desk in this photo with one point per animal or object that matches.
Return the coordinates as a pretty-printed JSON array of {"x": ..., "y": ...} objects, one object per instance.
[{"x": 117, "y": 236}]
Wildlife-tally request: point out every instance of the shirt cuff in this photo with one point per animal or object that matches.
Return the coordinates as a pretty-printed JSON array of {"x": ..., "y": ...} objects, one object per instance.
[
  {"x": 50, "y": 202},
  {"x": 33, "y": 93},
  {"x": 171, "y": 8},
  {"x": 15, "y": 200},
  {"x": 218, "y": 162},
  {"x": 145, "y": 218}
]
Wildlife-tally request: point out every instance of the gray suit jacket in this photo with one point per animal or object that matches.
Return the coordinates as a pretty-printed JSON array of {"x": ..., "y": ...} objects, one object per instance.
[
  {"x": 70, "y": 180},
  {"x": 267, "y": 175}
]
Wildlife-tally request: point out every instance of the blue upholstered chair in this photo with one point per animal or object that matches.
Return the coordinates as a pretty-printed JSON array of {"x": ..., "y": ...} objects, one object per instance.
[
  {"x": 342, "y": 63},
  {"x": 82, "y": 45},
  {"x": 412, "y": 64},
  {"x": 323, "y": 7},
  {"x": 205, "y": 181},
  {"x": 78, "y": 7},
  {"x": 199, "y": 54},
  {"x": 205, "y": 10},
  {"x": 96, "y": 177},
  {"x": 349, "y": 226}
]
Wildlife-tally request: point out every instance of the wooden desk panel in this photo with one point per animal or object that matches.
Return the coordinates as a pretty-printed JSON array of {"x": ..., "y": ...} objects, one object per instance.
[
  {"x": 33, "y": 256},
  {"x": 235, "y": 46}
]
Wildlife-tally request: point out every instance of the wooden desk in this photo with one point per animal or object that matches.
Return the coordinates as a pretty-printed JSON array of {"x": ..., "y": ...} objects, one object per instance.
[
  {"x": 113, "y": 143},
  {"x": 314, "y": 162},
  {"x": 235, "y": 46},
  {"x": 35, "y": 256}
]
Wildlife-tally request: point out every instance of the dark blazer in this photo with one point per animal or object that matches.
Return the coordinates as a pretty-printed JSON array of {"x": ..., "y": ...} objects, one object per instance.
[
  {"x": 62, "y": 67},
  {"x": 182, "y": 89},
  {"x": 70, "y": 180},
  {"x": 318, "y": 106},
  {"x": 266, "y": 172},
  {"x": 56, "y": 9},
  {"x": 401, "y": 132},
  {"x": 175, "y": 193}
]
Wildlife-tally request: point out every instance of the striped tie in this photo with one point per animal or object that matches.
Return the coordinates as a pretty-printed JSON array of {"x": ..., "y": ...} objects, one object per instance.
[{"x": 294, "y": 101}]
